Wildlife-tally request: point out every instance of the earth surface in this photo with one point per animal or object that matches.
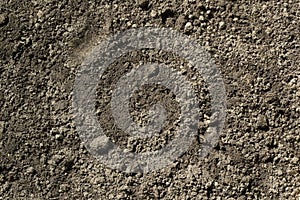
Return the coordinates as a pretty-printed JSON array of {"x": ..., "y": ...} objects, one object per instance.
[{"x": 255, "y": 45}]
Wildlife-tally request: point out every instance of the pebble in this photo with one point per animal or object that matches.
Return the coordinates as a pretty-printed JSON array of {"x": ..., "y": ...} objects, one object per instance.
[
  {"x": 100, "y": 143},
  {"x": 3, "y": 19},
  {"x": 262, "y": 121},
  {"x": 188, "y": 26},
  {"x": 153, "y": 13},
  {"x": 39, "y": 14},
  {"x": 58, "y": 136},
  {"x": 295, "y": 160},
  {"x": 30, "y": 170},
  {"x": 201, "y": 18},
  {"x": 279, "y": 172},
  {"x": 222, "y": 25}
]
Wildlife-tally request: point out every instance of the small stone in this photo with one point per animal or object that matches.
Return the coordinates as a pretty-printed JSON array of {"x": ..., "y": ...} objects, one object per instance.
[
  {"x": 188, "y": 26},
  {"x": 191, "y": 16},
  {"x": 3, "y": 19},
  {"x": 153, "y": 13},
  {"x": 193, "y": 194},
  {"x": 222, "y": 25},
  {"x": 268, "y": 30},
  {"x": 101, "y": 145},
  {"x": 30, "y": 170},
  {"x": 37, "y": 25},
  {"x": 295, "y": 160},
  {"x": 201, "y": 18},
  {"x": 85, "y": 194},
  {"x": 58, "y": 136},
  {"x": 262, "y": 122},
  {"x": 39, "y": 14}
]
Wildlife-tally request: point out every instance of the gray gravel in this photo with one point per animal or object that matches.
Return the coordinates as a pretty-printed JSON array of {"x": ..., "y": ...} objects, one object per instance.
[{"x": 255, "y": 46}]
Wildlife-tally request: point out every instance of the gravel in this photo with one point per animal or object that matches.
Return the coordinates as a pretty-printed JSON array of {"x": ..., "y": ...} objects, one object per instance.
[{"x": 254, "y": 45}]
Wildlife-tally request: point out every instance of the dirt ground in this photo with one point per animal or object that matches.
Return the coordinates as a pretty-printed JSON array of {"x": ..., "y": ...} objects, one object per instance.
[{"x": 255, "y": 45}]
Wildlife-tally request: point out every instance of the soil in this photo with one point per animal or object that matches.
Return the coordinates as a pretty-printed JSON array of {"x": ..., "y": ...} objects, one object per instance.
[{"x": 255, "y": 45}]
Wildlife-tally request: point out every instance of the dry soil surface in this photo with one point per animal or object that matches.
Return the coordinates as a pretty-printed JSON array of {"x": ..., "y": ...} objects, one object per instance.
[{"x": 255, "y": 45}]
